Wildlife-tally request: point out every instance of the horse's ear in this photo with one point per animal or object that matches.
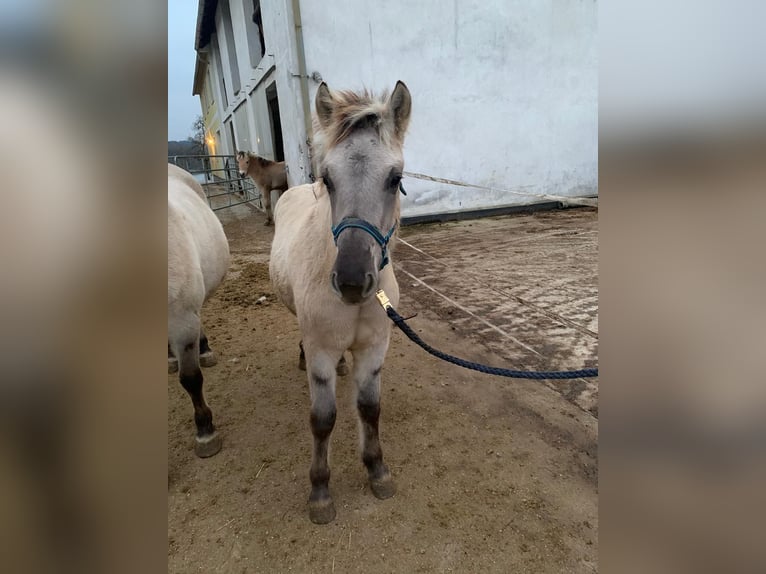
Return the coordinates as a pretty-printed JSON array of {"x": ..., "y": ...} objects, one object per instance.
[
  {"x": 400, "y": 104},
  {"x": 324, "y": 104}
]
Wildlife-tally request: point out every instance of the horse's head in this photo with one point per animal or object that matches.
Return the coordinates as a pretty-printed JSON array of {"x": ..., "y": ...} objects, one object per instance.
[
  {"x": 358, "y": 145},
  {"x": 243, "y": 163}
]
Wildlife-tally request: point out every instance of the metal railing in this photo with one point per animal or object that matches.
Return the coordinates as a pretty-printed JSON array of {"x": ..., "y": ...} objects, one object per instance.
[{"x": 219, "y": 177}]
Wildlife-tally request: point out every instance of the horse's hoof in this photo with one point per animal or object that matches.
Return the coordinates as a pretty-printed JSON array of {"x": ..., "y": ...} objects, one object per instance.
[
  {"x": 208, "y": 446},
  {"x": 172, "y": 365},
  {"x": 322, "y": 511},
  {"x": 383, "y": 487},
  {"x": 342, "y": 369},
  {"x": 208, "y": 359}
]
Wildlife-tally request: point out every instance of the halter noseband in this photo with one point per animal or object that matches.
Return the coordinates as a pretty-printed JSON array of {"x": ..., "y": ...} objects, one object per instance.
[{"x": 355, "y": 222}]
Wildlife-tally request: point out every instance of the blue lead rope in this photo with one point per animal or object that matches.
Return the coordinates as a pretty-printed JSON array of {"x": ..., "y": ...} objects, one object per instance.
[{"x": 355, "y": 222}]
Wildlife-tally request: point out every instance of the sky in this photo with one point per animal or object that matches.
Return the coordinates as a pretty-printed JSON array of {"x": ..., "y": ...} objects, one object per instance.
[{"x": 183, "y": 108}]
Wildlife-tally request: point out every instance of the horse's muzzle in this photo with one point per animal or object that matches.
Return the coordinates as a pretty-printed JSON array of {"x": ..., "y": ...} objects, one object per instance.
[
  {"x": 242, "y": 174},
  {"x": 353, "y": 289}
]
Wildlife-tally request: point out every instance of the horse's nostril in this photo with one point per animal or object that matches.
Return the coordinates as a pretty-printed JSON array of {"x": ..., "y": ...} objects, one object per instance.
[
  {"x": 369, "y": 285},
  {"x": 334, "y": 282}
]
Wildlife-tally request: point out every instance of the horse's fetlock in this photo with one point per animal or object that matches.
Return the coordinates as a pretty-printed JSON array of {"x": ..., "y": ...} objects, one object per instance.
[
  {"x": 373, "y": 461},
  {"x": 203, "y": 418},
  {"x": 320, "y": 477}
]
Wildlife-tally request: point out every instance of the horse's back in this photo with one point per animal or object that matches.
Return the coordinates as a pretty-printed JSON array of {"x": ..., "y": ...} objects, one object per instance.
[
  {"x": 177, "y": 173},
  {"x": 198, "y": 251},
  {"x": 279, "y": 178},
  {"x": 273, "y": 176}
]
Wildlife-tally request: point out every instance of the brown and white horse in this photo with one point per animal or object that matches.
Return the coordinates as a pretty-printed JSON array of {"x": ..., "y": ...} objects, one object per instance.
[
  {"x": 198, "y": 258},
  {"x": 266, "y": 174},
  {"x": 331, "y": 253}
]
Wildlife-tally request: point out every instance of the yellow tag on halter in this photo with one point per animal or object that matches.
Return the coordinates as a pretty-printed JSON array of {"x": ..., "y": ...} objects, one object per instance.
[{"x": 383, "y": 299}]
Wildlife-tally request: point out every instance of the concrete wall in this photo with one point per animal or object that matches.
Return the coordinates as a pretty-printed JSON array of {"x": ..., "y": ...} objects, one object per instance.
[{"x": 504, "y": 92}]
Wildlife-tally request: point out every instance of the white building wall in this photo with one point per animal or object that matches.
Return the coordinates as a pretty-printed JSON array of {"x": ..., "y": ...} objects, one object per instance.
[{"x": 504, "y": 92}]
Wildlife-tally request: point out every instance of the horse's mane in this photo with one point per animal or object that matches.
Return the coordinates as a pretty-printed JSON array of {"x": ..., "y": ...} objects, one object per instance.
[{"x": 352, "y": 111}]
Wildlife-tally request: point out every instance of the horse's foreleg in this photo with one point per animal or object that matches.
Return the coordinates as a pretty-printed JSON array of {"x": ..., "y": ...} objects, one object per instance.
[
  {"x": 321, "y": 374},
  {"x": 186, "y": 349},
  {"x": 367, "y": 365},
  {"x": 266, "y": 196}
]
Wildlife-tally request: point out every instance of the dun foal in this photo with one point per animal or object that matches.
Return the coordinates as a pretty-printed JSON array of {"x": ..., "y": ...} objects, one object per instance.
[
  {"x": 266, "y": 174},
  {"x": 331, "y": 253}
]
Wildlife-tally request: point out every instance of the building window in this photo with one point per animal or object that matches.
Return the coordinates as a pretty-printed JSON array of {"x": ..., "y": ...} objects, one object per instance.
[
  {"x": 255, "y": 43},
  {"x": 219, "y": 72},
  {"x": 231, "y": 47},
  {"x": 209, "y": 88}
]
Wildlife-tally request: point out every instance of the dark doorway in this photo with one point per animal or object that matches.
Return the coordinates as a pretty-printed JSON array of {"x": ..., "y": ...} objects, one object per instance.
[{"x": 276, "y": 124}]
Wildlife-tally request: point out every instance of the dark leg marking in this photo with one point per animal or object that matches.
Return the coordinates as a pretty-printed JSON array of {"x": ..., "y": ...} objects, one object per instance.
[
  {"x": 267, "y": 207},
  {"x": 321, "y": 507},
  {"x": 320, "y": 381},
  {"x": 203, "y": 416},
  {"x": 368, "y": 405},
  {"x": 208, "y": 442}
]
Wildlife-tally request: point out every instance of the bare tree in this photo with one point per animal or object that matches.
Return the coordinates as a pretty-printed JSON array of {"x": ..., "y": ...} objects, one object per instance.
[{"x": 198, "y": 135}]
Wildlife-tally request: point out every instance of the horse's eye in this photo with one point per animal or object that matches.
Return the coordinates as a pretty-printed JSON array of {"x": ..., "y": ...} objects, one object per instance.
[{"x": 395, "y": 181}]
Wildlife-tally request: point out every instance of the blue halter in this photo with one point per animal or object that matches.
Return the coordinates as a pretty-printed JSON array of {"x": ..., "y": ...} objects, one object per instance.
[{"x": 382, "y": 240}]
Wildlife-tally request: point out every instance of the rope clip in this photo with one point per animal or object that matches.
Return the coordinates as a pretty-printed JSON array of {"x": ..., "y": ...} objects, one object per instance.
[{"x": 383, "y": 299}]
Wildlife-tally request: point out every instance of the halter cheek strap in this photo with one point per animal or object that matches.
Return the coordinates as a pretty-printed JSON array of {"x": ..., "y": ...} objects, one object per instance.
[{"x": 355, "y": 222}]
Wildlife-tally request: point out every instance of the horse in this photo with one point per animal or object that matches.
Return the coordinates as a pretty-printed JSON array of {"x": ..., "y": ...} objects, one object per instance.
[
  {"x": 198, "y": 259},
  {"x": 266, "y": 174},
  {"x": 331, "y": 252}
]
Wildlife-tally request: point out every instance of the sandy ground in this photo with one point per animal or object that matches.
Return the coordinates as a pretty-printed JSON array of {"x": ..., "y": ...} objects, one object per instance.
[{"x": 493, "y": 475}]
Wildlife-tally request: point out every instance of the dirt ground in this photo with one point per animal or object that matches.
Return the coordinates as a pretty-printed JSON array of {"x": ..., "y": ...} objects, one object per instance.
[{"x": 493, "y": 475}]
